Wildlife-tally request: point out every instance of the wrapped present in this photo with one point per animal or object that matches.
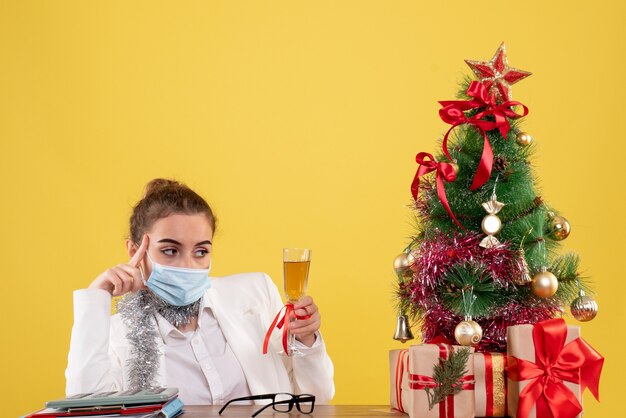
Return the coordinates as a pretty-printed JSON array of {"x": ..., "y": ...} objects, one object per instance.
[
  {"x": 398, "y": 366},
  {"x": 426, "y": 386},
  {"x": 549, "y": 365},
  {"x": 413, "y": 389},
  {"x": 490, "y": 386}
]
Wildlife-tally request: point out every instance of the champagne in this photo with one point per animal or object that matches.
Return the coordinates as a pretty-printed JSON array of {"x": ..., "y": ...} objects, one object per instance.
[
  {"x": 296, "y": 277},
  {"x": 296, "y": 271}
]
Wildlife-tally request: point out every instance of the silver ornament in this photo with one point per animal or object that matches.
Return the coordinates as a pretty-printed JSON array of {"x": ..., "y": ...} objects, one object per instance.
[
  {"x": 491, "y": 224},
  {"x": 584, "y": 308}
]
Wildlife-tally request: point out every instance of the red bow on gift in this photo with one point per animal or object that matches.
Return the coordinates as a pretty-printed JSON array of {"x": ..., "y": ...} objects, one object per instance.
[
  {"x": 576, "y": 362},
  {"x": 445, "y": 171},
  {"x": 453, "y": 113}
]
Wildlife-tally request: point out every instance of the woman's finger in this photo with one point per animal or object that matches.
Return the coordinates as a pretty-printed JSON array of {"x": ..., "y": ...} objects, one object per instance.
[
  {"x": 118, "y": 280},
  {"x": 135, "y": 260},
  {"x": 305, "y": 301},
  {"x": 116, "y": 283},
  {"x": 125, "y": 280},
  {"x": 135, "y": 273},
  {"x": 309, "y": 329},
  {"x": 305, "y": 307},
  {"x": 301, "y": 323},
  {"x": 306, "y": 310}
]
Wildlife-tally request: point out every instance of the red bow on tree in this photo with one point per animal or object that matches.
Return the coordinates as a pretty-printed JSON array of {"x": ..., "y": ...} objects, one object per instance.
[
  {"x": 576, "y": 362},
  {"x": 453, "y": 113},
  {"x": 445, "y": 171}
]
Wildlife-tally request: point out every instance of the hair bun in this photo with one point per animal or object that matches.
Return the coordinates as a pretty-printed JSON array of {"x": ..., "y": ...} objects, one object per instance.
[
  {"x": 155, "y": 185},
  {"x": 164, "y": 197}
]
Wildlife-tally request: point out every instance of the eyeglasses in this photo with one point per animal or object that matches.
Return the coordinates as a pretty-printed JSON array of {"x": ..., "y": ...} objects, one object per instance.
[{"x": 281, "y": 402}]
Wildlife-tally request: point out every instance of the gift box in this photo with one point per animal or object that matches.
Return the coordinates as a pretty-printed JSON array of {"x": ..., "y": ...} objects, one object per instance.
[
  {"x": 490, "y": 386},
  {"x": 549, "y": 366},
  {"x": 414, "y": 384},
  {"x": 398, "y": 366}
]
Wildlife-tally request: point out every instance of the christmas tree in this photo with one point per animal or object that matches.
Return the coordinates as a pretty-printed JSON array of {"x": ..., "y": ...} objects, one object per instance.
[{"x": 485, "y": 254}]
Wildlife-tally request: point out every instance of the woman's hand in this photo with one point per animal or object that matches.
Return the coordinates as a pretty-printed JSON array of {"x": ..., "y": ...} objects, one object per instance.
[
  {"x": 304, "y": 329},
  {"x": 123, "y": 278}
]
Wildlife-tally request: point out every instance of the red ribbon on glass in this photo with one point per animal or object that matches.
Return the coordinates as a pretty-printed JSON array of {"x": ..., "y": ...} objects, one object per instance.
[
  {"x": 282, "y": 320},
  {"x": 453, "y": 113},
  {"x": 421, "y": 382},
  {"x": 445, "y": 171},
  {"x": 576, "y": 362}
]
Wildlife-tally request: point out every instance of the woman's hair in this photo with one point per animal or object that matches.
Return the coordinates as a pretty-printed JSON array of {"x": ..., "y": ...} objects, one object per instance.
[{"x": 162, "y": 198}]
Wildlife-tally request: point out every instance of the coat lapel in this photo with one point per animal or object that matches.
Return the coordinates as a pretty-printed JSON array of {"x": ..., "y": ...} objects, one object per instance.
[{"x": 244, "y": 329}]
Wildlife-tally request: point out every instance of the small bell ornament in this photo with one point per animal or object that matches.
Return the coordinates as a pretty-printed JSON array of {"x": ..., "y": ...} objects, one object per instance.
[
  {"x": 491, "y": 224},
  {"x": 468, "y": 332},
  {"x": 403, "y": 331},
  {"x": 584, "y": 308},
  {"x": 524, "y": 278}
]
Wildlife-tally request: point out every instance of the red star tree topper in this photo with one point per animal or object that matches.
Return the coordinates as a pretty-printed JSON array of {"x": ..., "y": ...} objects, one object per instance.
[{"x": 497, "y": 75}]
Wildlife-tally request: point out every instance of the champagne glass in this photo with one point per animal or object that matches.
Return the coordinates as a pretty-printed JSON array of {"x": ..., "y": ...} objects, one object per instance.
[{"x": 296, "y": 263}]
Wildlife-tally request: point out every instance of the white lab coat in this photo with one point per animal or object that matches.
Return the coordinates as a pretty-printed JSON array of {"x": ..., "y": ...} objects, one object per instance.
[{"x": 244, "y": 306}]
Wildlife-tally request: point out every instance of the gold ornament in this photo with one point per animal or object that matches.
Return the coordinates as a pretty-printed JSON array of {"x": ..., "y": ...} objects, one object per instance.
[
  {"x": 525, "y": 278},
  {"x": 559, "y": 228},
  {"x": 544, "y": 284},
  {"x": 584, "y": 308},
  {"x": 491, "y": 224},
  {"x": 524, "y": 139},
  {"x": 403, "y": 262},
  {"x": 468, "y": 333}
]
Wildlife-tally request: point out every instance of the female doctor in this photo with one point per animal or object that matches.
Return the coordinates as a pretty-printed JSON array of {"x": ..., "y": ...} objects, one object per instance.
[{"x": 177, "y": 327}]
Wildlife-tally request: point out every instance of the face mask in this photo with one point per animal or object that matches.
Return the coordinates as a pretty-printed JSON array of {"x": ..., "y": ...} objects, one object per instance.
[{"x": 176, "y": 285}]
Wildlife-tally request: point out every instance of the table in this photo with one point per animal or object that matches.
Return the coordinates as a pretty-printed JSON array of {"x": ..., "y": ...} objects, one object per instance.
[{"x": 245, "y": 411}]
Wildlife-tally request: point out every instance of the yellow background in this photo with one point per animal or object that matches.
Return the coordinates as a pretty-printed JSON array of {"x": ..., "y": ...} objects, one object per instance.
[{"x": 299, "y": 122}]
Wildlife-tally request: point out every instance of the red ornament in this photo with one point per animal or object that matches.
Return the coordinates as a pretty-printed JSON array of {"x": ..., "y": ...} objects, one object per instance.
[{"x": 496, "y": 74}]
